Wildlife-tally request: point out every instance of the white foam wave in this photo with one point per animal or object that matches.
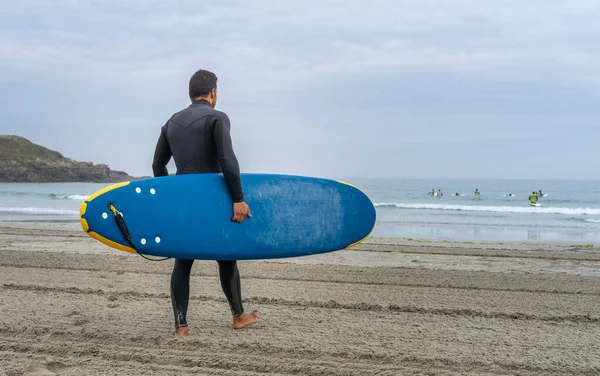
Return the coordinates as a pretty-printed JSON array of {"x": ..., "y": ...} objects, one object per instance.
[
  {"x": 493, "y": 209},
  {"x": 77, "y": 197},
  {"x": 71, "y": 197},
  {"x": 42, "y": 211},
  {"x": 591, "y": 220}
]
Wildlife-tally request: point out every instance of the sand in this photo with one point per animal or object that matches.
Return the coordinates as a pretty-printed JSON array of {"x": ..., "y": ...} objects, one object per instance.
[{"x": 71, "y": 306}]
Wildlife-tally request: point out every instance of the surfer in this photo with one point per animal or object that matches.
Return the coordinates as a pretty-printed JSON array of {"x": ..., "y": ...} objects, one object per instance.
[
  {"x": 476, "y": 192},
  {"x": 199, "y": 141},
  {"x": 432, "y": 192},
  {"x": 540, "y": 194},
  {"x": 533, "y": 198}
]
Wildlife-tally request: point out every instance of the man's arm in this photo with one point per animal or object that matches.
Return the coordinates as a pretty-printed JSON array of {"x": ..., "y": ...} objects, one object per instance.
[
  {"x": 226, "y": 156},
  {"x": 162, "y": 155}
]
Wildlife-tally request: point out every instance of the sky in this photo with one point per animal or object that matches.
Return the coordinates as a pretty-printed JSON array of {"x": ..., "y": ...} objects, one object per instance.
[{"x": 338, "y": 89}]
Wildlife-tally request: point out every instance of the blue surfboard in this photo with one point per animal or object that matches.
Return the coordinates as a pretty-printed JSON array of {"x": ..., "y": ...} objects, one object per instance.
[{"x": 189, "y": 216}]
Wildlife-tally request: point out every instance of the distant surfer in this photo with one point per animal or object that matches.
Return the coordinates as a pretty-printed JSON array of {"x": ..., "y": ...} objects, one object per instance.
[
  {"x": 440, "y": 194},
  {"x": 457, "y": 194},
  {"x": 533, "y": 198},
  {"x": 432, "y": 192},
  {"x": 476, "y": 192},
  {"x": 540, "y": 194},
  {"x": 199, "y": 141}
]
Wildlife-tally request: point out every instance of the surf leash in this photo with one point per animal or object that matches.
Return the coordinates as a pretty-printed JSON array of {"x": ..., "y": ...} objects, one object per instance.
[{"x": 127, "y": 235}]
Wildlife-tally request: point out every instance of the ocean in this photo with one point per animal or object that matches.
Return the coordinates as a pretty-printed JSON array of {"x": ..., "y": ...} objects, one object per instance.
[{"x": 569, "y": 214}]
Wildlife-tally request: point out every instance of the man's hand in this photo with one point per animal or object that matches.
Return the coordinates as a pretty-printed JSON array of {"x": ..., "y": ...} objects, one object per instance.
[{"x": 241, "y": 210}]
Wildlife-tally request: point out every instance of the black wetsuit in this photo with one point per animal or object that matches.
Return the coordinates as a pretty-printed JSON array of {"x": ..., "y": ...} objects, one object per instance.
[{"x": 199, "y": 141}]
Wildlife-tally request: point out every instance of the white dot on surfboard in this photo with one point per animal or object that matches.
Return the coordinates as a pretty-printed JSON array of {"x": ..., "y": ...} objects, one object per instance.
[
  {"x": 152, "y": 191},
  {"x": 143, "y": 241},
  {"x": 104, "y": 215},
  {"x": 157, "y": 239},
  {"x": 138, "y": 190}
]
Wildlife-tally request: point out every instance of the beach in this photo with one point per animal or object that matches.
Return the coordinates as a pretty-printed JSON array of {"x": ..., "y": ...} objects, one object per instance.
[{"x": 72, "y": 306}]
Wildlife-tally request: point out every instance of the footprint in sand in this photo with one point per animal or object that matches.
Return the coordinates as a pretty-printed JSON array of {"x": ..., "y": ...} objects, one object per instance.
[
  {"x": 78, "y": 318},
  {"x": 50, "y": 368}
]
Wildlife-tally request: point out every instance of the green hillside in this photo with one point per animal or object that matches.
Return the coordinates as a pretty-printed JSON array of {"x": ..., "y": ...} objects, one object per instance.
[{"x": 23, "y": 161}]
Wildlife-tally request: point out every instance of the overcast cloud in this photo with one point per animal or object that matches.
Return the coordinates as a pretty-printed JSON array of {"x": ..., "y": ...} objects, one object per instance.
[{"x": 423, "y": 88}]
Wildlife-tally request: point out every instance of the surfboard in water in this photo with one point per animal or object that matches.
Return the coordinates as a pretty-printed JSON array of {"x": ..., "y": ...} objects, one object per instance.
[{"x": 189, "y": 216}]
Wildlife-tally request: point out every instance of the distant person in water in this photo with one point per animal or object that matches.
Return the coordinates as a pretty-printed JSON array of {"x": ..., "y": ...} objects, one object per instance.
[
  {"x": 540, "y": 193},
  {"x": 432, "y": 192},
  {"x": 457, "y": 194},
  {"x": 476, "y": 192},
  {"x": 533, "y": 197},
  {"x": 440, "y": 193}
]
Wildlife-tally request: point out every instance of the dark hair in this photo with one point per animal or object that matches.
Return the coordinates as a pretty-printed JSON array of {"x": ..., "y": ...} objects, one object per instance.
[{"x": 201, "y": 83}]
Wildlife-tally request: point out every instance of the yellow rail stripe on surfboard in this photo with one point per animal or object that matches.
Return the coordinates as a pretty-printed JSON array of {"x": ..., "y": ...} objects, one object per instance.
[
  {"x": 84, "y": 223},
  {"x": 107, "y": 189},
  {"x": 110, "y": 243},
  {"x": 86, "y": 227},
  {"x": 353, "y": 186}
]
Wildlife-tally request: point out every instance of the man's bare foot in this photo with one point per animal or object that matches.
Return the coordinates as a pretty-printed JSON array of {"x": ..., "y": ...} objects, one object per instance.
[
  {"x": 182, "y": 331},
  {"x": 245, "y": 319}
]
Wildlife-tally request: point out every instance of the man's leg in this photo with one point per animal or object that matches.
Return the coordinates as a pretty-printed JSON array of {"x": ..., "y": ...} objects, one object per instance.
[
  {"x": 180, "y": 294},
  {"x": 230, "y": 282}
]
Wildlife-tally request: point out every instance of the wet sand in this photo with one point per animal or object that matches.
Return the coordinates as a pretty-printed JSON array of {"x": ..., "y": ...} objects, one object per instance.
[{"x": 71, "y": 306}]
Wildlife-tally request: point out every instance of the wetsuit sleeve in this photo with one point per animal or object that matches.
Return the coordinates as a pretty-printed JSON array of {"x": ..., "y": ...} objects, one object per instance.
[
  {"x": 162, "y": 155},
  {"x": 226, "y": 156}
]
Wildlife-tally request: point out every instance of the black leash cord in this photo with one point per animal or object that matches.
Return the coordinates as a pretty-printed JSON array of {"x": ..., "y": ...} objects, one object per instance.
[{"x": 125, "y": 231}]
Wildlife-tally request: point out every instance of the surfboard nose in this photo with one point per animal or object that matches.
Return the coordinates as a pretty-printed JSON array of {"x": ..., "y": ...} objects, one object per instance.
[
  {"x": 82, "y": 220},
  {"x": 367, "y": 218},
  {"x": 362, "y": 214}
]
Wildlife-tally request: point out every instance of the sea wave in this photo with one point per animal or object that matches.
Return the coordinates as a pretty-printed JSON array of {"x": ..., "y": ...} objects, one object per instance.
[
  {"x": 508, "y": 223},
  {"x": 39, "y": 211},
  {"x": 55, "y": 196},
  {"x": 69, "y": 197},
  {"x": 492, "y": 209}
]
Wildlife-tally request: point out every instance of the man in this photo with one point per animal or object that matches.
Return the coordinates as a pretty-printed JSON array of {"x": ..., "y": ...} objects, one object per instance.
[
  {"x": 199, "y": 141},
  {"x": 533, "y": 197}
]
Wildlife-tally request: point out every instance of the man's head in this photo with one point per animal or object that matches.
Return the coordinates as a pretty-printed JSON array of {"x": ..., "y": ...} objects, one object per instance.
[{"x": 203, "y": 85}]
